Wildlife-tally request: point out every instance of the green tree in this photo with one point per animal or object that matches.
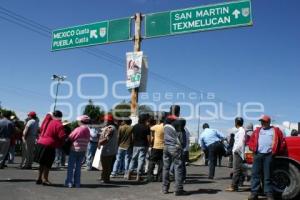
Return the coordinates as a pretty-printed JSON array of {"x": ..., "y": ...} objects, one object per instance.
[
  {"x": 10, "y": 112},
  {"x": 93, "y": 111},
  {"x": 122, "y": 110},
  {"x": 144, "y": 109},
  {"x": 73, "y": 125}
]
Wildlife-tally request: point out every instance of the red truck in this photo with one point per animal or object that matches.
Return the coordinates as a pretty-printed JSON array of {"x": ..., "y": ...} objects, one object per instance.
[{"x": 286, "y": 170}]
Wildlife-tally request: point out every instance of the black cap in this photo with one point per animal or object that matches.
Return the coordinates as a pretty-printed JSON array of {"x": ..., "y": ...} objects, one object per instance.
[
  {"x": 205, "y": 125},
  {"x": 239, "y": 121},
  {"x": 175, "y": 110},
  {"x": 57, "y": 114}
]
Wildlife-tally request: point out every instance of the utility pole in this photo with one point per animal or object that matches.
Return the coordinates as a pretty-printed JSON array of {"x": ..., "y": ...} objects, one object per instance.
[
  {"x": 59, "y": 79},
  {"x": 55, "y": 101},
  {"x": 198, "y": 124},
  {"x": 137, "y": 47}
]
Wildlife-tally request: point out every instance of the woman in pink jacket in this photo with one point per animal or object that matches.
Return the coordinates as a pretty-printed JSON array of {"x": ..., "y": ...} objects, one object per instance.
[
  {"x": 80, "y": 138},
  {"x": 52, "y": 136}
]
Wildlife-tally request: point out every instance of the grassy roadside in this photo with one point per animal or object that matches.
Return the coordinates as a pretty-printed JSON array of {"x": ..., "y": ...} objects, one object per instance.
[{"x": 195, "y": 155}]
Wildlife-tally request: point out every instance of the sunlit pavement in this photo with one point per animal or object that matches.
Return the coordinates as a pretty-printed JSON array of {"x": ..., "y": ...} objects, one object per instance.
[{"x": 20, "y": 184}]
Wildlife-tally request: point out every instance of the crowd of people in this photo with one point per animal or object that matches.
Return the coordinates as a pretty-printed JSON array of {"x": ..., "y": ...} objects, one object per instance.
[{"x": 136, "y": 150}]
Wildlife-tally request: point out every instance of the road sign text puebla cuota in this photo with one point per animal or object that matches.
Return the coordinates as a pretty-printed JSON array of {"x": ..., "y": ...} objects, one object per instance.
[
  {"x": 210, "y": 17},
  {"x": 91, "y": 34}
]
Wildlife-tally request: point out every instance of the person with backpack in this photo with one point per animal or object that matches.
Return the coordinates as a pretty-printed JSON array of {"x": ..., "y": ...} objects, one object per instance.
[{"x": 80, "y": 138}]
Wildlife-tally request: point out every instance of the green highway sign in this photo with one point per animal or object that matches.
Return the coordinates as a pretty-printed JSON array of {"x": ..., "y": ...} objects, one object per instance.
[
  {"x": 91, "y": 34},
  {"x": 210, "y": 17}
]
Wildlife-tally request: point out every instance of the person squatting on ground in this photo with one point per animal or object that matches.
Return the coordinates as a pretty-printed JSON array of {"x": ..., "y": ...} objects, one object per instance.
[
  {"x": 266, "y": 141},
  {"x": 80, "y": 138}
]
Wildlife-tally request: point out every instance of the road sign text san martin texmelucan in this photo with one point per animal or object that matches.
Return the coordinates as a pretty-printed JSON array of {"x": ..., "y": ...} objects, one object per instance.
[{"x": 202, "y": 18}]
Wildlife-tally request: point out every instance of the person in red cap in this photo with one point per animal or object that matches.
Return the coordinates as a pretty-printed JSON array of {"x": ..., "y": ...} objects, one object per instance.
[
  {"x": 174, "y": 144},
  {"x": 29, "y": 137},
  {"x": 109, "y": 142},
  {"x": 265, "y": 142}
]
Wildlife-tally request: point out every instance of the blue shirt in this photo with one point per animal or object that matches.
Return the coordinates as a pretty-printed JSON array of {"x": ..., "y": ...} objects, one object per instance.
[{"x": 210, "y": 136}]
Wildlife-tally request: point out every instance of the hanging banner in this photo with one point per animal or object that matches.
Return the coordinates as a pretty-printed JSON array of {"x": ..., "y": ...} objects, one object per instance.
[{"x": 134, "y": 62}]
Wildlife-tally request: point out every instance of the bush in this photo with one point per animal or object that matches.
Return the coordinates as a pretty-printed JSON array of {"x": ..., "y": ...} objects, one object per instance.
[{"x": 194, "y": 147}]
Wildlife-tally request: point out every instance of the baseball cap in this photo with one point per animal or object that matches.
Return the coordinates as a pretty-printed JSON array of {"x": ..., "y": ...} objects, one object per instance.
[
  {"x": 32, "y": 114},
  {"x": 83, "y": 118},
  {"x": 172, "y": 117},
  {"x": 265, "y": 118},
  {"x": 108, "y": 118}
]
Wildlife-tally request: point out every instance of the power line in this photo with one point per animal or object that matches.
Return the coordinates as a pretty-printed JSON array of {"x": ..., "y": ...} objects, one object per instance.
[
  {"x": 46, "y": 32},
  {"x": 23, "y": 19}
]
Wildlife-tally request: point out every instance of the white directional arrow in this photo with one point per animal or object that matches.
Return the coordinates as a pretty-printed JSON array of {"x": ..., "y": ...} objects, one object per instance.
[
  {"x": 236, "y": 13},
  {"x": 93, "y": 34}
]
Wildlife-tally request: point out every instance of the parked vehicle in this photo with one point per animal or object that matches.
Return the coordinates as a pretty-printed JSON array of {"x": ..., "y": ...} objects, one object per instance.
[{"x": 286, "y": 169}]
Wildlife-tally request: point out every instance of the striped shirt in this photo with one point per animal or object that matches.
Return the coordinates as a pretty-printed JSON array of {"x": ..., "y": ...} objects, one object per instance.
[{"x": 80, "y": 138}]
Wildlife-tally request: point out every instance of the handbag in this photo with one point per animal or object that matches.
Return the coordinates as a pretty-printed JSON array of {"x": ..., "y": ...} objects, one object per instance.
[{"x": 97, "y": 159}]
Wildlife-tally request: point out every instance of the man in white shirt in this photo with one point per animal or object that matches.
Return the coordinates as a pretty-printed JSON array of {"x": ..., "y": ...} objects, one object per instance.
[{"x": 238, "y": 154}]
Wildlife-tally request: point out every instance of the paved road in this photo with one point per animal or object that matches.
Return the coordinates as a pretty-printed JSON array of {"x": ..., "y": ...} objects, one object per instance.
[{"x": 20, "y": 184}]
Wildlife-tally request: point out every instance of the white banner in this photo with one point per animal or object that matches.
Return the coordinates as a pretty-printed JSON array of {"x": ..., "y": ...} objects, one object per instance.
[{"x": 134, "y": 62}]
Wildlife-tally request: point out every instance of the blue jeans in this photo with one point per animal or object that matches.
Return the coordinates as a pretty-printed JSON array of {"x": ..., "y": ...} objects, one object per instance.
[
  {"x": 74, "y": 168},
  {"x": 138, "y": 156},
  {"x": 128, "y": 158},
  {"x": 12, "y": 150},
  {"x": 60, "y": 157},
  {"x": 122, "y": 161},
  {"x": 91, "y": 150},
  {"x": 261, "y": 169}
]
